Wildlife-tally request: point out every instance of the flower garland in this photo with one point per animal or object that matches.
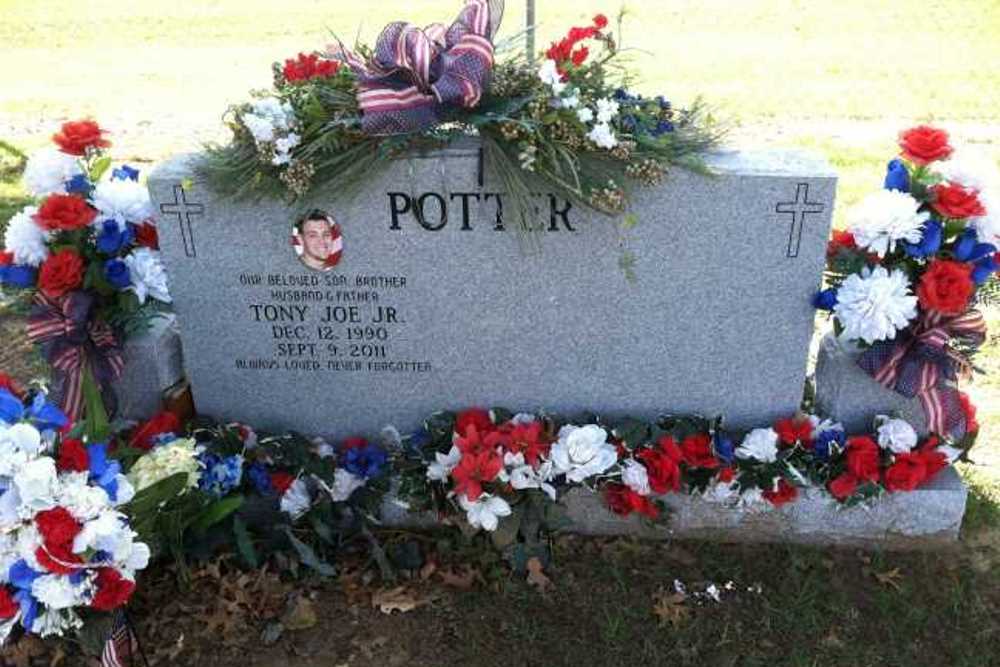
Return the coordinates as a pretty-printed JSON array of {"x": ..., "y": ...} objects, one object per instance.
[
  {"x": 905, "y": 273},
  {"x": 84, "y": 255},
  {"x": 332, "y": 118},
  {"x": 65, "y": 545}
]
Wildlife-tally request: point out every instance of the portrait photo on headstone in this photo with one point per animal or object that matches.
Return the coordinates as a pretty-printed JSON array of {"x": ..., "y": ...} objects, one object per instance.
[{"x": 317, "y": 240}]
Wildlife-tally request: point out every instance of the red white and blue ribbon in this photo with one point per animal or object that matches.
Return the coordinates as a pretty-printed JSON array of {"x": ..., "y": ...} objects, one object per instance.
[
  {"x": 72, "y": 340},
  {"x": 416, "y": 75},
  {"x": 919, "y": 363}
]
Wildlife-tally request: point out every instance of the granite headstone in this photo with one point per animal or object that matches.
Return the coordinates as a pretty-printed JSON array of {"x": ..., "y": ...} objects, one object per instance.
[{"x": 436, "y": 302}]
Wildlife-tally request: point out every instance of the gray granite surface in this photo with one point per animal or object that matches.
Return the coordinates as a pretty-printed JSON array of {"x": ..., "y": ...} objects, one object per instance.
[
  {"x": 153, "y": 364},
  {"x": 718, "y": 319}
]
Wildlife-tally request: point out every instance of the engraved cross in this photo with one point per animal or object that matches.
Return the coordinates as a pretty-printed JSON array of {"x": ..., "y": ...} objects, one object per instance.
[
  {"x": 183, "y": 209},
  {"x": 798, "y": 208}
]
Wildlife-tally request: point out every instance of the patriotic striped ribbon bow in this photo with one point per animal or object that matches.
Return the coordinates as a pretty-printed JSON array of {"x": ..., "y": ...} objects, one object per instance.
[
  {"x": 72, "y": 340},
  {"x": 416, "y": 76},
  {"x": 920, "y": 362}
]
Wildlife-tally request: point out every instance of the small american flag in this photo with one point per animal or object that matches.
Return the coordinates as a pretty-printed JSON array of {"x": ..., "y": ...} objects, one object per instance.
[{"x": 121, "y": 644}]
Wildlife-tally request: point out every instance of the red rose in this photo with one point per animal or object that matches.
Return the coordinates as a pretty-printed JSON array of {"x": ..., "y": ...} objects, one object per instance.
[
  {"x": 955, "y": 201},
  {"x": 61, "y": 272},
  {"x": 73, "y": 456},
  {"x": 697, "y": 451},
  {"x": 473, "y": 471},
  {"x": 8, "y": 605},
  {"x": 843, "y": 487},
  {"x": 64, "y": 212},
  {"x": 971, "y": 425},
  {"x": 474, "y": 416},
  {"x": 113, "y": 590},
  {"x": 662, "y": 465},
  {"x": 906, "y": 473},
  {"x": 863, "y": 458},
  {"x": 164, "y": 422},
  {"x": 75, "y": 137},
  {"x": 281, "y": 480},
  {"x": 601, "y": 21},
  {"x": 147, "y": 236},
  {"x": 785, "y": 493},
  {"x": 793, "y": 430},
  {"x": 11, "y": 385},
  {"x": 946, "y": 287},
  {"x": 623, "y": 501},
  {"x": 924, "y": 144}
]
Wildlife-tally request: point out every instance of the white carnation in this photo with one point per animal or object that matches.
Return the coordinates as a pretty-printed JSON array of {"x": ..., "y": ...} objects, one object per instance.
[
  {"x": 56, "y": 622},
  {"x": 36, "y": 484},
  {"x": 122, "y": 200},
  {"x": 149, "y": 278},
  {"x": 582, "y": 452},
  {"x": 636, "y": 477},
  {"x": 875, "y": 304},
  {"x": 48, "y": 170},
  {"x": 26, "y": 239},
  {"x": 760, "y": 444},
  {"x": 885, "y": 218},
  {"x": 295, "y": 500},
  {"x": 57, "y": 592},
  {"x": 83, "y": 500},
  {"x": 896, "y": 435},
  {"x": 602, "y": 135}
]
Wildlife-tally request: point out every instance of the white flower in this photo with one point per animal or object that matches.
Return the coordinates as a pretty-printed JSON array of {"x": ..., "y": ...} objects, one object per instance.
[
  {"x": 440, "y": 470},
  {"x": 165, "y": 460},
  {"x": 988, "y": 226},
  {"x": 83, "y": 500},
  {"x": 722, "y": 493},
  {"x": 259, "y": 127},
  {"x": 48, "y": 170},
  {"x": 26, "y": 239},
  {"x": 18, "y": 444},
  {"x": 56, "y": 592},
  {"x": 874, "y": 304},
  {"x": 28, "y": 542},
  {"x": 523, "y": 476},
  {"x": 602, "y": 135},
  {"x": 122, "y": 200},
  {"x": 283, "y": 148},
  {"x": 36, "y": 484},
  {"x": 109, "y": 532},
  {"x": 885, "y": 218},
  {"x": 268, "y": 117},
  {"x": 295, "y": 500},
  {"x": 549, "y": 74},
  {"x": 571, "y": 101},
  {"x": 606, "y": 110},
  {"x": 344, "y": 484},
  {"x": 636, "y": 477},
  {"x": 760, "y": 444},
  {"x": 753, "y": 499},
  {"x": 486, "y": 512},
  {"x": 58, "y": 622},
  {"x": 896, "y": 435},
  {"x": 148, "y": 276},
  {"x": 523, "y": 418},
  {"x": 970, "y": 169},
  {"x": 582, "y": 452},
  {"x": 585, "y": 115}
]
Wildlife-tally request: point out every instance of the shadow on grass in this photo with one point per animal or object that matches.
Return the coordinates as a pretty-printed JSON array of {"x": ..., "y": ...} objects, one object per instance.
[
  {"x": 12, "y": 197},
  {"x": 982, "y": 511}
]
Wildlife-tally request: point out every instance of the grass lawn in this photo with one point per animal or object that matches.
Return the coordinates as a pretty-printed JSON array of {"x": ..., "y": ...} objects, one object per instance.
[{"x": 840, "y": 78}]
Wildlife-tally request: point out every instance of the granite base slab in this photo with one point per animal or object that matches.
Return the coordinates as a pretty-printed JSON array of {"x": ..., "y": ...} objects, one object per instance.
[
  {"x": 153, "y": 364},
  {"x": 928, "y": 517}
]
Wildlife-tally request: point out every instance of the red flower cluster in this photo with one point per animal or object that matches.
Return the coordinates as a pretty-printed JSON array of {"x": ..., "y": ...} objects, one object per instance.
[
  {"x": 697, "y": 451},
  {"x": 64, "y": 212},
  {"x": 623, "y": 501},
  {"x": 75, "y": 137},
  {"x": 566, "y": 49},
  {"x": 473, "y": 417},
  {"x": 529, "y": 440},
  {"x": 164, "y": 422},
  {"x": 113, "y": 590},
  {"x": 308, "y": 67},
  {"x": 946, "y": 287},
  {"x": 907, "y": 471},
  {"x": 663, "y": 465},
  {"x": 955, "y": 201},
  {"x": 793, "y": 430},
  {"x": 924, "y": 144},
  {"x": 61, "y": 272},
  {"x": 785, "y": 493},
  {"x": 58, "y": 528},
  {"x": 73, "y": 456}
]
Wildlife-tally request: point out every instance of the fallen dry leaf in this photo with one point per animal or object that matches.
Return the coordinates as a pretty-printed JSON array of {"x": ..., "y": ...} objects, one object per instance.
[
  {"x": 428, "y": 570},
  {"x": 890, "y": 578},
  {"x": 536, "y": 577},
  {"x": 464, "y": 580},
  {"x": 396, "y": 599},
  {"x": 669, "y": 607}
]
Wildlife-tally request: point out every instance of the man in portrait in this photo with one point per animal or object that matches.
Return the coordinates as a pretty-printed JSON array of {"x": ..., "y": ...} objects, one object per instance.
[{"x": 320, "y": 240}]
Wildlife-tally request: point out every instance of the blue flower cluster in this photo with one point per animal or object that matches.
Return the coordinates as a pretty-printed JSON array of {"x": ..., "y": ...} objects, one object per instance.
[
  {"x": 365, "y": 461},
  {"x": 43, "y": 415},
  {"x": 220, "y": 475},
  {"x": 104, "y": 471},
  {"x": 260, "y": 478},
  {"x": 643, "y": 116}
]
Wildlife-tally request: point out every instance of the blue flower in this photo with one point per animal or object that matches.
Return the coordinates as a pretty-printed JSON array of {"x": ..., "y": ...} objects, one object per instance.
[
  {"x": 79, "y": 184},
  {"x": 18, "y": 275},
  {"x": 629, "y": 123},
  {"x": 831, "y": 438},
  {"x": 724, "y": 447},
  {"x": 984, "y": 269},
  {"x": 125, "y": 173},
  {"x": 46, "y": 416},
  {"x": 896, "y": 176},
  {"x": 825, "y": 299},
  {"x": 366, "y": 461},
  {"x": 663, "y": 102},
  {"x": 21, "y": 575},
  {"x": 260, "y": 478},
  {"x": 220, "y": 475},
  {"x": 663, "y": 127},
  {"x": 29, "y": 608},
  {"x": 622, "y": 94},
  {"x": 980, "y": 255},
  {"x": 117, "y": 274},
  {"x": 930, "y": 241},
  {"x": 11, "y": 407},
  {"x": 104, "y": 471},
  {"x": 113, "y": 237}
]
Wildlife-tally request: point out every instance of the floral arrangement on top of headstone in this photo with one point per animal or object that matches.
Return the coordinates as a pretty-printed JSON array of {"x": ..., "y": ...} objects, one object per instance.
[
  {"x": 905, "y": 274},
  {"x": 85, "y": 259},
  {"x": 332, "y": 118}
]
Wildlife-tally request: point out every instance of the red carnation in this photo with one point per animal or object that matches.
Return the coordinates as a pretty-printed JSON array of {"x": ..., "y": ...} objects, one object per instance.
[
  {"x": 164, "y": 422},
  {"x": 662, "y": 465},
  {"x": 473, "y": 416},
  {"x": 969, "y": 409},
  {"x": 75, "y": 137},
  {"x": 697, "y": 451},
  {"x": 113, "y": 590},
  {"x": 147, "y": 236},
  {"x": 785, "y": 493},
  {"x": 473, "y": 471},
  {"x": 73, "y": 456},
  {"x": 907, "y": 473},
  {"x": 955, "y": 201},
  {"x": 601, "y": 21},
  {"x": 946, "y": 287},
  {"x": 8, "y": 605},
  {"x": 934, "y": 461},
  {"x": 623, "y": 501},
  {"x": 863, "y": 458},
  {"x": 793, "y": 430},
  {"x": 64, "y": 212},
  {"x": 843, "y": 487},
  {"x": 61, "y": 272},
  {"x": 924, "y": 144},
  {"x": 6, "y": 258},
  {"x": 281, "y": 480},
  {"x": 58, "y": 527}
]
